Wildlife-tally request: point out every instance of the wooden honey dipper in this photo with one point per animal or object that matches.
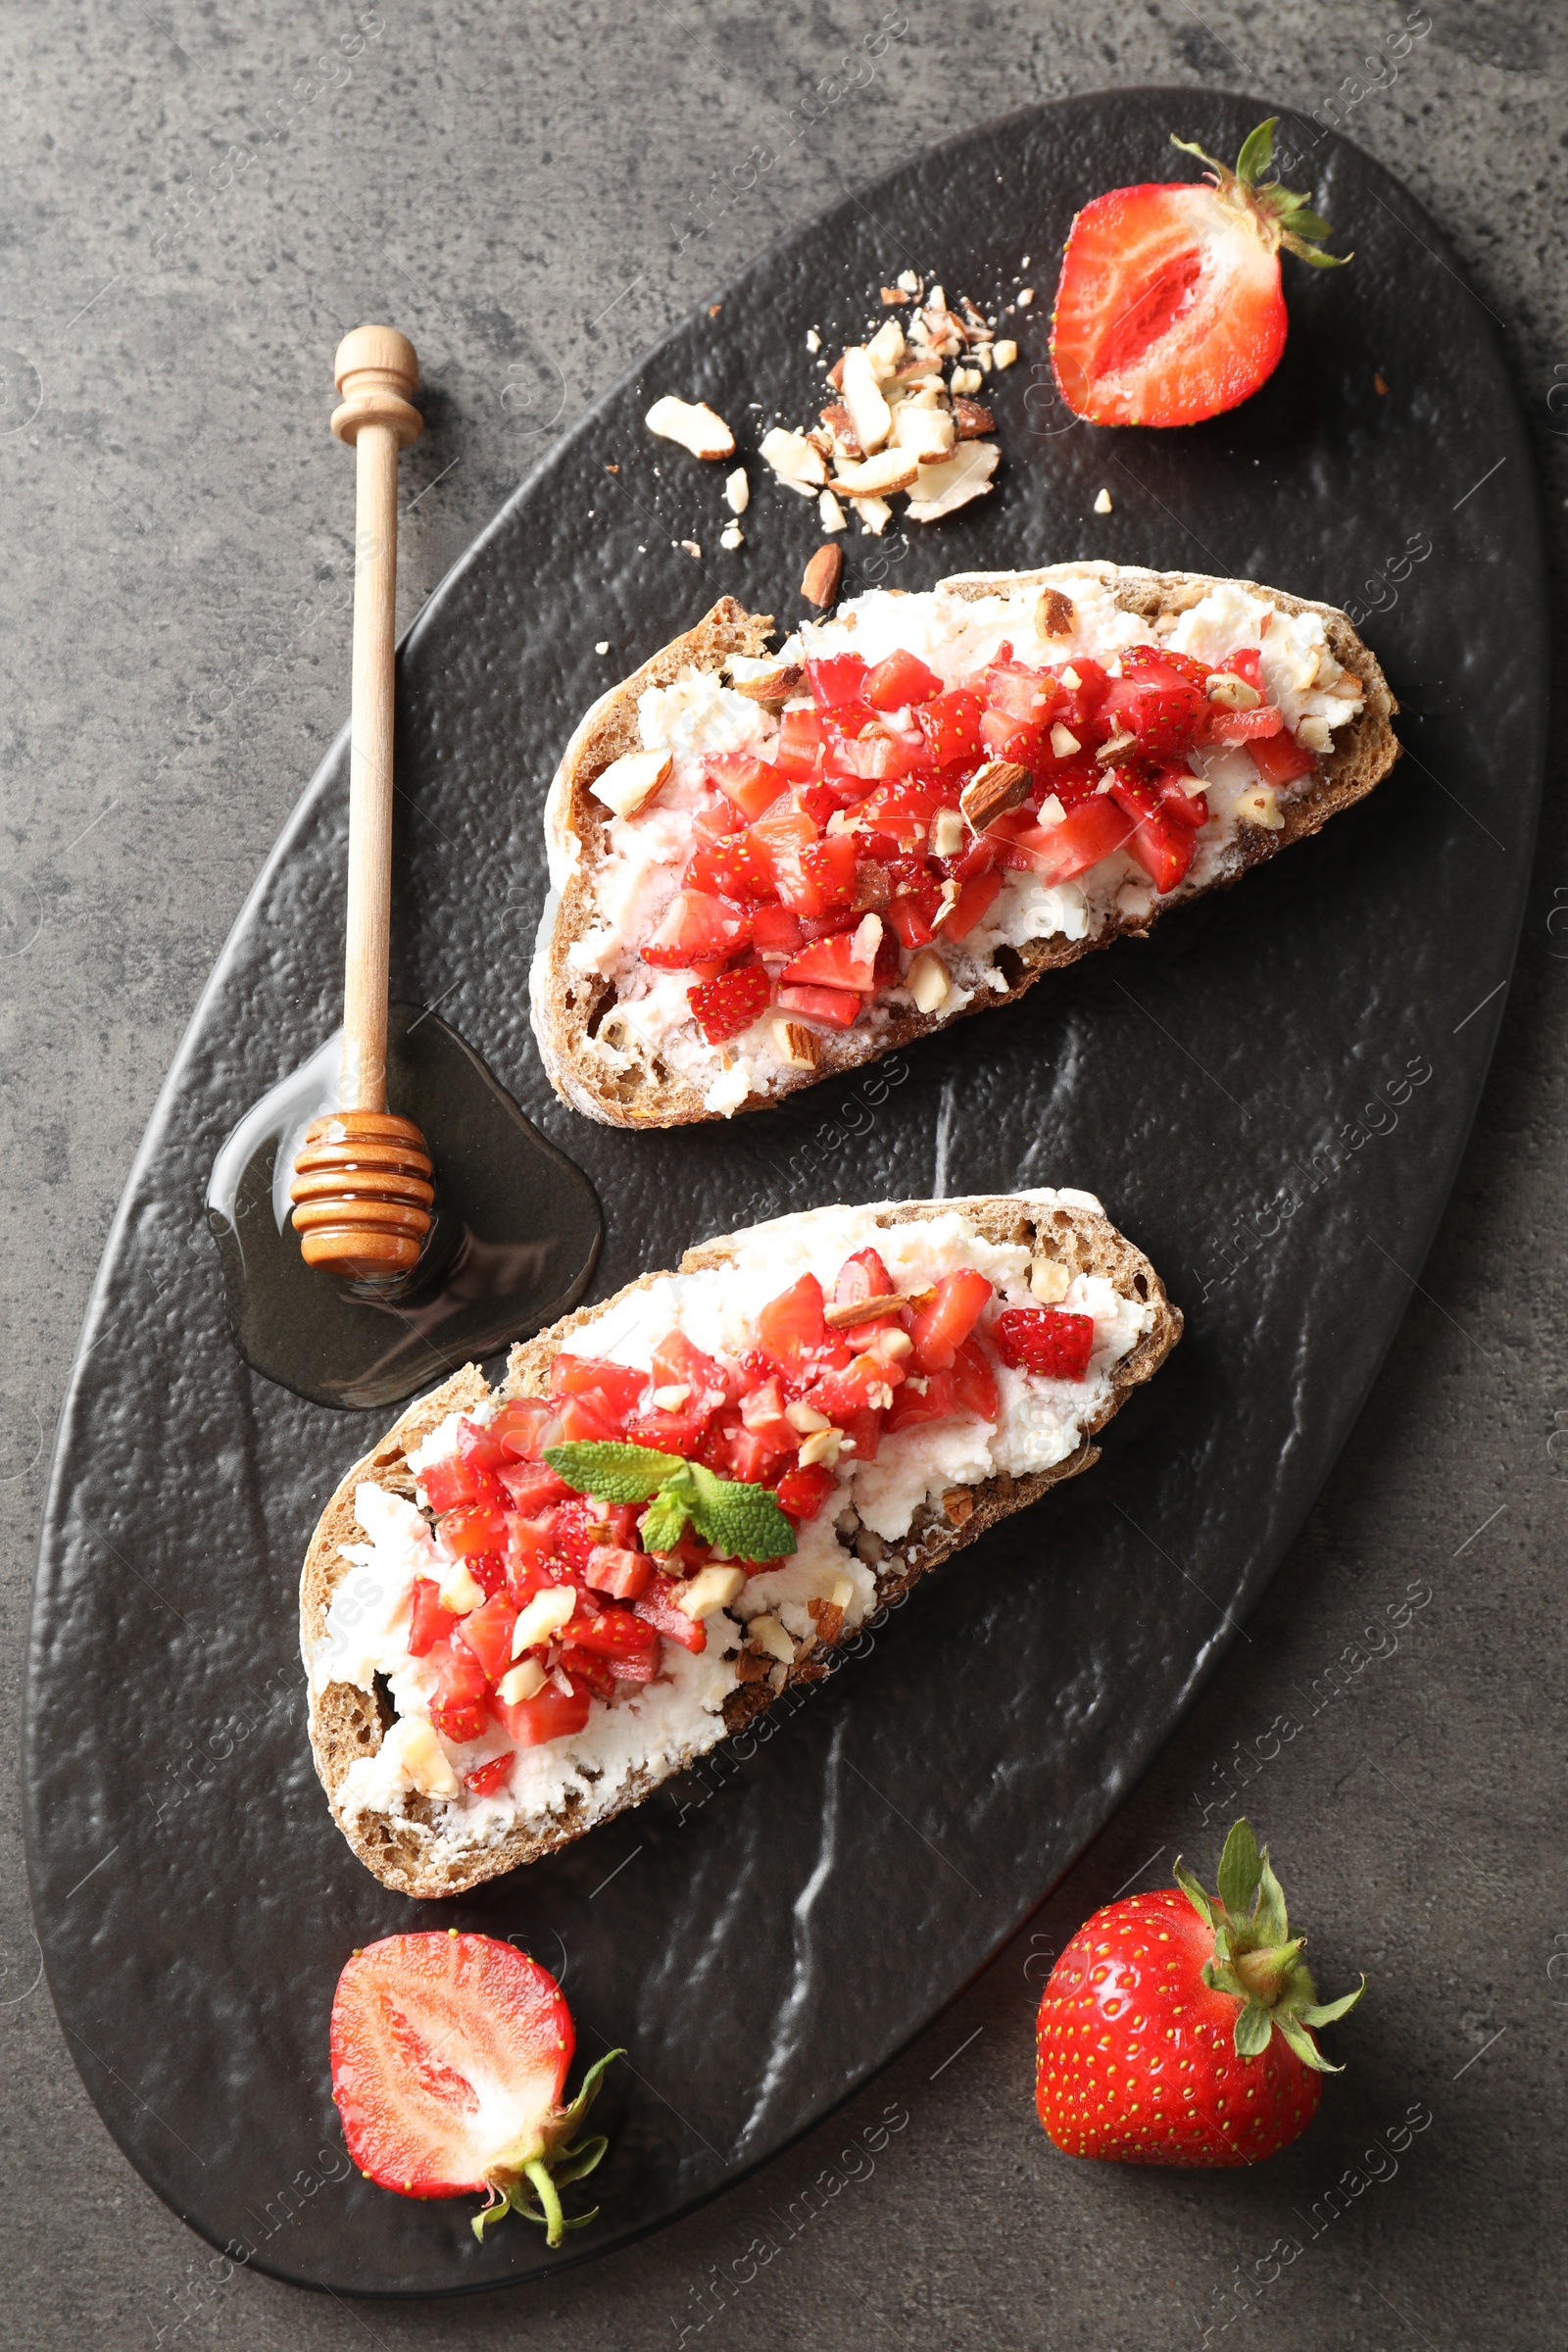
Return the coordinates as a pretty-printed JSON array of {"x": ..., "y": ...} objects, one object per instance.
[{"x": 362, "y": 1189}]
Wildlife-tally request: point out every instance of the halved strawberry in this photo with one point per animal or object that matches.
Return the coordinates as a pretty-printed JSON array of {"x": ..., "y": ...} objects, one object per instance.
[
  {"x": 1169, "y": 306},
  {"x": 449, "y": 2057},
  {"x": 725, "y": 1006}
]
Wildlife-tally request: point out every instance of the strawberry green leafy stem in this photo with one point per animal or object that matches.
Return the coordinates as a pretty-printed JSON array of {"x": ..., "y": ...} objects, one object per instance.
[
  {"x": 549, "y": 2163},
  {"x": 743, "y": 1521},
  {"x": 1284, "y": 215},
  {"x": 1258, "y": 1958}
]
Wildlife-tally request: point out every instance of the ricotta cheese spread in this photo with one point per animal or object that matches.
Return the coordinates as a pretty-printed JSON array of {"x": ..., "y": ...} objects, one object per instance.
[{"x": 652, "y": 1730}]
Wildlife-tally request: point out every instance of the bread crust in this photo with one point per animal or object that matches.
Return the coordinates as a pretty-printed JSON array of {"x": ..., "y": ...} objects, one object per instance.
[
  {"x": 347, "y": 1723},
  {"x": 566, "y": 1006}
]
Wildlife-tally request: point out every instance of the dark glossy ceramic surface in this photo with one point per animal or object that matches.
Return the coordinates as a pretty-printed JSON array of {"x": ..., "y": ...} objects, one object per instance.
[{"x": 764, "y": 1935}]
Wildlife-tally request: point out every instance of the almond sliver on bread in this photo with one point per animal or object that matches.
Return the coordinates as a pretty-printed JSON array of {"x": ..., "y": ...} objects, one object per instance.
[
  {"x": 613, "y": 1005},
  {"x": 399, "y": 1783}
]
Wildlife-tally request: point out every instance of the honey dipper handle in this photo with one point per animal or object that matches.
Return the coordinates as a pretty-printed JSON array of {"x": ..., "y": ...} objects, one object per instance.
[{"x": 376, "y": 372}]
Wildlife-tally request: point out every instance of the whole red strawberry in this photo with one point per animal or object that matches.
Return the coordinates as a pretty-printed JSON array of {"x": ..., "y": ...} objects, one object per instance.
[
  {"x": 1169, "y": 307},
  {"x": 1175, "y": 2028}
]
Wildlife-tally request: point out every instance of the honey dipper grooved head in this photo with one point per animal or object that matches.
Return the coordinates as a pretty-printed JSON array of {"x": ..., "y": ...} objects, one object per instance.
[{"x": 361, "y": 1194}]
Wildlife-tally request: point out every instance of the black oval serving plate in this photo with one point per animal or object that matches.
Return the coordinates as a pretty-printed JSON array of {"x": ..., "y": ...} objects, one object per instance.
[{"x": 1271, "y": 1095}]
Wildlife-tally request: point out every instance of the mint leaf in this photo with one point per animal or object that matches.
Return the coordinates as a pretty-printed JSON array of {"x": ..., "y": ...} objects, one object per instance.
[
  {"x": 665, "y": 1522},
  {"x": 615, "y": 1472},
  {"x": 743, "y": 1520}
]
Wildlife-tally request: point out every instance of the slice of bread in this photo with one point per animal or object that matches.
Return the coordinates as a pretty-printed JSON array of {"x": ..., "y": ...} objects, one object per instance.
[
  {"x": 410, "y": 1850},
  {"x": 612, "y": 1076}
]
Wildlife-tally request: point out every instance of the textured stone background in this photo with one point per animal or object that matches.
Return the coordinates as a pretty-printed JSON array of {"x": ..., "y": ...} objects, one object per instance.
[{"x": 191, "y": 217}]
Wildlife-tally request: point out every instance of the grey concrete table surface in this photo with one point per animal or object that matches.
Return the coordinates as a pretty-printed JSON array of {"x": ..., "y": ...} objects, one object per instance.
[{"x": 199, "y": 198}]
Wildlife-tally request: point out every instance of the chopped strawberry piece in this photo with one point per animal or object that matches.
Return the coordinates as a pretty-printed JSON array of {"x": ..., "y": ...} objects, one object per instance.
[
  {"x": 750, "y": 783},
  {"x": 801, "y": 1494},
  {"x": 792, "y": 1329},
  {"x": 836, "y": 679},
  {"x": 452, "y": 1481},
  {"x": 797, "y": 748},
  {"x": 903, "y": 678},
  {"x": 1020, "y": 693},
  {"x": 488, "y": 1777},
  {"x": 1280, "y": 759},
  {"x": 1047, "y": 1341},
  {"x": 620, "y": 1384},
  {"x": 480, "y": 1448},
  {"x": 830, "y": 865},
  {"x": 588, "y": 1419},
  {"x": 864, "y": 1384},
  {"x": 974, "y": 1383},
  {"x": 1093, "y": 830},
  {"x": 471, "y": 1528},
  {"x": 657, "y": 1608},
  {"x": 951, "y": 725},
  {"x": 732, "y": 869},
  {"x": 614, "y": 1569},
  {"x": 846, "y": 961},
  {"x": 1244, "y": 726},
  {"x": 1164, "y": 720},
  {"x": 533, "y": 1487},
  {"x": 924, "y": 1396},
  {"x": 1164, "y": 847},
  {"x": 910, "y": 916},
  {"x": 676, "y": 1362},
  {"x": 942, "y": 1324},
  {"x": 724, "y": 1006},
  {"x": 762, "y": 1411},
  {"x": 864, "y": 1275},
  {"x": 974, "y": 904},
  {"x": 776, "y": 930},
  {"x": 835, "y": 1007},
  {"x": 1158, "y": 661},
  {"x": 429, "y": 1621},
  {"x": 1183, "y": 805},
  {"x": 487, "y": 1632},
  {"x": 458, "y": 1708},
  {"x": 1005, "y": 737},
  {"x": 554, "y": 1714},
  {"x": 873, "y": 756},
  {"x": 610, "y": 1633},
  {"x": 862, "y": 1433},
  {"x": 519, "y": 1426},
  {"x": 697, "y": 928},
  {"x": 1246, "y": 664}
]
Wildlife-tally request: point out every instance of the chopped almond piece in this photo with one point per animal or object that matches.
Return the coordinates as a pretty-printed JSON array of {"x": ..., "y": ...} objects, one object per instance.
[
  {"x": 958, "y": 1506},
  {"x": 870, "y": 413},
  {"x": 750, "y": 1667},
  {"x": 1054, "y": 615},
  {"x": 873, "y": 514},
  {"x": 966, "y": 475},
  {"x": 841, "y": 425},
  {"x": 927, "y": 981},
  {"x": 712, "y": 1588},
  {"x": 829, "y": 1617},
  {"x": 1231, "y": 693},
  {"x": 1005, "y": 352},
  {"x": 769, "y": 1636},
  {"x": 630, "y": 782},
  {"x": 928, "y": 434},
  {"x": 797, "y": 1045},
  {"x": 971, "y": 418},
  {"x": 771, "y": 681},
  {"x": 694, "y": 424},
  {"x": 1260, "y": 808},
  {"x": 737, "y": 491},
  {"x": 886, "y": 348},
  {"x": 946, "y": 833},
  {"x": 798, "y": 466},
  {"x": 819, "y": 584},
  {"x": 1049, "y": 1280},
  {"x": 1000, "y": 785},
  {"x": 830, "y": 513},
  {"x": 892, "y": 470},
  {"x": 861, "y": 1311}
]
